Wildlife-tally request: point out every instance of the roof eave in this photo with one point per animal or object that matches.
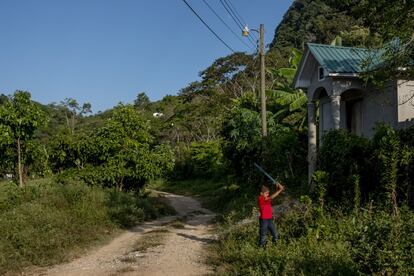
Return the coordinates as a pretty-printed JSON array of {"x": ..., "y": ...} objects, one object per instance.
[{"x": 300, "y": 67}]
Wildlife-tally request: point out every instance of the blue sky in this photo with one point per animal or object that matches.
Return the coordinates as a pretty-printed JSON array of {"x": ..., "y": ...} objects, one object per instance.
[{"x": 107, "y": 51}]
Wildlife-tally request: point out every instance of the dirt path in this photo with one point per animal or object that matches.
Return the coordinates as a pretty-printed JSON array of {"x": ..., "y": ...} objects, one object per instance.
[{"x": 181, "y": 251}]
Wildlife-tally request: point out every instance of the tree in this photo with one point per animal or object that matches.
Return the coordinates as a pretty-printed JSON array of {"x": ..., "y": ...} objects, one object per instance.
[
  {"x": 19, "y": 118},
  {"x": 86, "y": 108},
  {"x": 142, "y": 101},
  {"x": 74, "y": 109},
  {"x": 3, "y": 99}
]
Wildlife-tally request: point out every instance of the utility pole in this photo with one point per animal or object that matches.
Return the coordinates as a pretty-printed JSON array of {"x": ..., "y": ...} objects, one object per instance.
[
  {"x": 245, "y": 32},
  {"x": 262, "y": 82}
]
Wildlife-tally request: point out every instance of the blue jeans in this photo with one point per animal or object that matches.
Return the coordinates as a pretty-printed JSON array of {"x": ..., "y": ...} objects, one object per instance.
[{"x": 267, "y": 225}]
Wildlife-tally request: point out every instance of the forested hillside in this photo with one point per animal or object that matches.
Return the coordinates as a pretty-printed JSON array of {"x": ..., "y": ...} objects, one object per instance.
[{"x": 359, "y": 217}]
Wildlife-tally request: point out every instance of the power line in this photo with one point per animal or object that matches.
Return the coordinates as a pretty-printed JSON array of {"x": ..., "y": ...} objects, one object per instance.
[
  {"x": 233, "y": 8},
  {"x": 235, "y": 15},
  {"x": 208, "y": 27},
  {"x": 238, "y": 23},
  {"x": 225, "y": 24}
]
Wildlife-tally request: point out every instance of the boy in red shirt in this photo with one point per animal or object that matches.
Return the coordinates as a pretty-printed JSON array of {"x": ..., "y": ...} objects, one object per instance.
[{"x": 266, "y": 217}]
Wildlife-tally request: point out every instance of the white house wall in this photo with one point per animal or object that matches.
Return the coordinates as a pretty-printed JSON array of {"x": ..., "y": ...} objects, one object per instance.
[
  {"x": 405, "y": 99},
  {"x": 378, "y": 107}
]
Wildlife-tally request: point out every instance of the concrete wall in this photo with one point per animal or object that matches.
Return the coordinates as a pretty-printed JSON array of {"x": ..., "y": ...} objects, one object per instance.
[
  {"x": 405, "y": 101},
  {"x": 379, "y": 107}
]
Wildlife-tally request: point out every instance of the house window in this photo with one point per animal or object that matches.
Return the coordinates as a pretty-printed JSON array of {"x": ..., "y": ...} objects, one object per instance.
[{"x": 321, "y": 73}]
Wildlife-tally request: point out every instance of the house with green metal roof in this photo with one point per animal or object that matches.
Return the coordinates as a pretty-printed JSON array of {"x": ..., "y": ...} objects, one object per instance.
[{"x": 330, "y": 76}]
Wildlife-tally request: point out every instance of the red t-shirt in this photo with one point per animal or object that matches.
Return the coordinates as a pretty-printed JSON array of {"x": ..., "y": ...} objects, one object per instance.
[{"x": 265, "y": 207}]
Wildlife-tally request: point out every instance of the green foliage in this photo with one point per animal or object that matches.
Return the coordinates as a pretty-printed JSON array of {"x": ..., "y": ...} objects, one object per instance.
[
  {"x": 20, "y": 117},
  {"x": 242, "y": 137},
  {"x": 206, "y": 158},
  {"x": 41, "y": 224},
  {"x": 72, "y": 108},
  {"x": 310, "y": 244},
  {"x": 142, "y": 101},
  {"x": 341, "y": 156},
  {"x": 320, "y": 180},
  {"x": 358, "y": 168},
  {"x": 387, "y": 145},
  {"x": 380, "y": 243},
  {"x": 311, "y": 21},
  {"x": 120, "y": 153},
  {"x": 290, "y": 104},
  {"x": 282, "y": 152},
  {"x": 37, "y": 159},
  {"x": 243, "y": 126},
  {"x": 284, "y": 155}
]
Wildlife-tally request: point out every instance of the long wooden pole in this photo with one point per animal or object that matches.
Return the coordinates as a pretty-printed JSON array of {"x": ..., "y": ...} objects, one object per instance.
[{"x": 262, "y": 82}]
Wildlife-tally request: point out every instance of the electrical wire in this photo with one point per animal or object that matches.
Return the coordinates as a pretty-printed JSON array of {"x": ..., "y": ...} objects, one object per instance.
[
  {"x": 233, "y": 8},
  {"x": 238, "y": 23},
  {"x": 230, "y": 12},
  {"x": 228, "y": 27},
  {"x": 208, "y": 27}
]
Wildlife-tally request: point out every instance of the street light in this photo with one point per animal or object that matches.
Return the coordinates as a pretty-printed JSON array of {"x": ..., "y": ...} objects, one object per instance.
[{"x": 245, "y": 32}]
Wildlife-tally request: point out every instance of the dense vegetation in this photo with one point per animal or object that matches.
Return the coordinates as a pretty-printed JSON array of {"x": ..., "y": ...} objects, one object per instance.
[
  {"x": 204, "y": 141},
  {"x": 44, "y": 222}
]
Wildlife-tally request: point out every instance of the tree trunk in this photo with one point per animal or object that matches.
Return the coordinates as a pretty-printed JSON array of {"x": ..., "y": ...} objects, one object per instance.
[
  {"x": 73, "y": 123},
  {"x": 19, "y": 162},
  {"x": 67, "y": 120}
]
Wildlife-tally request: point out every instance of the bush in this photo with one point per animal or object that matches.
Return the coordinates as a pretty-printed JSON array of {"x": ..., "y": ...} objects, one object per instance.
[
  {"x": 284, "y": 155},
  {"x": 380, "y": 243},
  {"x": 206, "y": 158},
  {"x": 343, "y": 155},
  {"x": 381, "y": 169}
]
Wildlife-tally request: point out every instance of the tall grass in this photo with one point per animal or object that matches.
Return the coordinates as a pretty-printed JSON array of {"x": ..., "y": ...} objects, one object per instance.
[
  {"x": 44, "y": 222},
  {"x": 314, "y": 243}
]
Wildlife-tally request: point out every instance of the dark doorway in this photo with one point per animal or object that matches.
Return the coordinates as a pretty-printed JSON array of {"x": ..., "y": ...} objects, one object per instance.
[{"x": 354, "y": 116}]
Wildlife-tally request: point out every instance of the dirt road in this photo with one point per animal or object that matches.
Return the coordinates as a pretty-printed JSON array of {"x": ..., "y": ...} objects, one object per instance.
[{"x": 172, "y": 245}]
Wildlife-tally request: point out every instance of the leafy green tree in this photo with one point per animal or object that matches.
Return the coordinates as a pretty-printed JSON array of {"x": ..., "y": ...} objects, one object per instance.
[
  {"x": 142, "y": 101},
  {"x": 3, "y": 99},
  {"x": 119, "y": 154},
  {"x": 73, "y": 110},
  {"x": 19, "y": 119}
]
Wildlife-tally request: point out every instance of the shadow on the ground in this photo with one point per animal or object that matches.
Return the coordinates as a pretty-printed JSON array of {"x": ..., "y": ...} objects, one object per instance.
[{"x": 195, "y": 238}]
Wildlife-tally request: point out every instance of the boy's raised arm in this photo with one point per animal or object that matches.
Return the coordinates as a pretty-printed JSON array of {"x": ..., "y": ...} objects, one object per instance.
[{"x": 280, "y": 188}]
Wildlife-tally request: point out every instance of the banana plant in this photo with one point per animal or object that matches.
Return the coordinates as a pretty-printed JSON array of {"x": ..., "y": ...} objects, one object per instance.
[{"x": 290, "y": 102}]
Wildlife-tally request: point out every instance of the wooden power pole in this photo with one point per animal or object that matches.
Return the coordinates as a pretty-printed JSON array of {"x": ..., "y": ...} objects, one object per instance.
[{"x": 262, "y": 82}]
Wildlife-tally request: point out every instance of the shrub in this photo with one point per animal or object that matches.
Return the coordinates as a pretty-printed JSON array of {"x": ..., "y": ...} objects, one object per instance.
[
  {"x": 343, "y": 155},
  {"x": 206, "y": 158},
  {"x": 380, "y": 169}
]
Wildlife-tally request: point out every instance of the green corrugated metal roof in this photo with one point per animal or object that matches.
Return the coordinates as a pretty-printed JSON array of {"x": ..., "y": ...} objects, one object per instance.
[{"x": 338, "y": 59}]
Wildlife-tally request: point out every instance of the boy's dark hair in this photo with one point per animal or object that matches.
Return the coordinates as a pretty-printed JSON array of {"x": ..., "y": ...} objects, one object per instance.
[{"x": 264, "y": 189}]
